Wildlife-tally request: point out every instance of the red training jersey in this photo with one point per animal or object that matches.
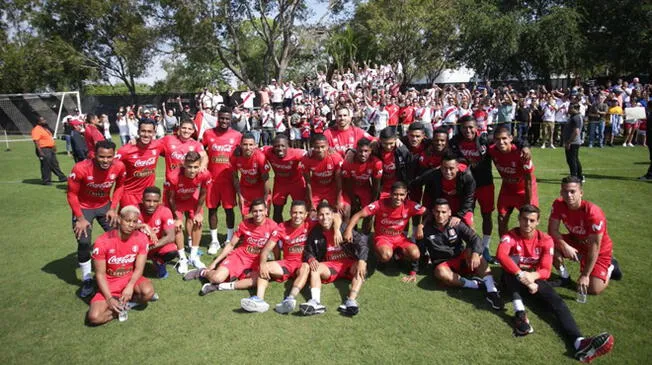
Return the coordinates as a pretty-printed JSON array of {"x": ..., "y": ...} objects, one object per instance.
[
  {"x": 120, "y": 256},
  {"x": 141, "y": 165},
  {"x": 343, "y": 140},
  {"x": 589, "y": 219},
  {"x": 219, "y": 147},
  {"x": 159, "y": 221},
  {"x": 322, "y": 171},
  {"x": 512, "y": 168},
  {"x": 186, "y": 190},
  {"x": 251, "y": 169},
  {"x": 391, "y": 221},
  {"x": 175, "y": 150},
  {"x": 89, "y": 186},
  {"x": 286, "y": 169},
  {"x": 362, "y": 172},
  {"x": 389, "y": 170},
  {"x": 92, "y": 135},
  {"x": 254, "y": 237},
  {"x": 535, "y": 254},
  {"x": 294, "y": 238}
]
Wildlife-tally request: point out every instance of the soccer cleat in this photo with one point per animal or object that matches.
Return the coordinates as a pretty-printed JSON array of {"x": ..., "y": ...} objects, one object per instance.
[
  {"x": 495, "y": 300},
  {"x": 286, "y": 306},
  {"x": 616, "y": 274},
  {"x": 349, "y": 307},
  {"x": 312, "y": 307},
  {"x": 182, "y": 266},
  {"x": 87, "y": 288},
  {"x": 254, "y": 304},
  {"x": 155, "y": 298},
  {"x": 630, "y": 145},
  {"x": 592, "y": 347},
  {"x": 553, "y": 147},
  {"x": 208, "y": 288},
  {"x": 213, "y": 248},
  {"x": 624, "y": 144},
  {"x": 196, "y": 262},
  {"x": 543, "y": 146},
  {"x": 522, "y": 324},
  {"x": 193, "y": 274},
  {"x": 161, "y": 270}
]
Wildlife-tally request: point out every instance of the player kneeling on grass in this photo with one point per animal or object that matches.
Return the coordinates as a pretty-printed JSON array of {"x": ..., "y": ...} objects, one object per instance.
[
  {"x": 330, "y": 261},
  {"x": 158, "y": 223},
  {"x": 525, "y": 253},
  {"x": 187, "y": 189},
  {"x": 241, "y": 263},
  {"x": 456, "y": 251},
  {"x": 292, "y": 234},
  {"x": 392, "y": 216},
  {"x": 119, "y": 259}
]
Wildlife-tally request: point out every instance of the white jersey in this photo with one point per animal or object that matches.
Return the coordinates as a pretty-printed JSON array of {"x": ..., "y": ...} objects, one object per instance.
[{"x": 248, "y": 99}]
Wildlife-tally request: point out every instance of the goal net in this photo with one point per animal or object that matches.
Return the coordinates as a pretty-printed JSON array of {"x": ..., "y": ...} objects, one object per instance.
[{"x": 19, "y": 112}]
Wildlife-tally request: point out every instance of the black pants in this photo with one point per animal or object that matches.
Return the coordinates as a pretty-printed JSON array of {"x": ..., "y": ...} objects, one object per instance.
[
  {"x": 573, "y": 160},
  {"x": 49, "y": 164},
  {"x": 512, "y": 287},
  {"x": 649, "y": 169},
  {"x": 84, "y": 242}
]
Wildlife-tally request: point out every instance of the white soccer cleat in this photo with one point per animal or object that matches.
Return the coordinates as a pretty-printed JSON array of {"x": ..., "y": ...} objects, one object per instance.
[
  {"x": 182, "y": 266},
  {"x": 254, "y": 304},
  {"x": 213, "y": 248},
  {"x": 196, "y": 262}
]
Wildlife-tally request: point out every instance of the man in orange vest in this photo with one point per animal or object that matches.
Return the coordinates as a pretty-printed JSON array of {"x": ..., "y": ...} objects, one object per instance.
[{"x": 46, "y": 151}]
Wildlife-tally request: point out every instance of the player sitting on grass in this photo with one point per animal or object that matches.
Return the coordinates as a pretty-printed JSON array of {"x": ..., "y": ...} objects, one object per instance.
[
  {"x": 235, "y": 268},
  {"x": 525, "y": 253},
  {"x": 329, "y": 261}
]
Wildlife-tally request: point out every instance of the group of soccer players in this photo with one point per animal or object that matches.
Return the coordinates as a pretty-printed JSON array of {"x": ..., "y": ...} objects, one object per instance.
[{"x": 348, "y": 176}]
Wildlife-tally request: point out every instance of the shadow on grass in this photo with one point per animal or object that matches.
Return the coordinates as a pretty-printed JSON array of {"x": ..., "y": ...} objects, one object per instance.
[
  {"x": 609, "y": 177},
  {"x": 64, "y": 269},
  {"x": 641, "y": 163}
]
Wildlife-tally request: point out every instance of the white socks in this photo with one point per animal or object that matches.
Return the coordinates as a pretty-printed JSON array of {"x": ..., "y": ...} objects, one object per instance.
[
  {"x": 489, "y": 283},
  {"x": 229, "y": 234},
  {"x": 214, "y": 236},
  {"x": 226, "y": 286},
  {"x": 86, "y": 270},
  {"x": 518, "y": 305},
  {"x": 315, "y": 293},
  {"x": 193, "y": 251},
  {"x": 471, "y": 284}
]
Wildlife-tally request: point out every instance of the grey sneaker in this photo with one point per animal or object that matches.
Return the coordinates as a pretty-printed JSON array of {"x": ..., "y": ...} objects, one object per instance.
[
  {"x": 207, "y": 289},
  {"x": 87, "y": 288},
  {"x": 349, "y": 307},
  {"x": 312, "y": 307},
  {"x": 254, "y": 304},
  {"x": 193, "y": 274},
  {"x": 286, "y": 306}
]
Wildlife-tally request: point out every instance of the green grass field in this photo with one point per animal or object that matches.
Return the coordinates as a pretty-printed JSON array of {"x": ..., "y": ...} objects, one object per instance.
[{"x": 42, "y": 319}]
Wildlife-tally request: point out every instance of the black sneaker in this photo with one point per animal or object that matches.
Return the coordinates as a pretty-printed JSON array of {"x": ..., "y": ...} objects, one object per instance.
[
  {"x": 592, "y": 347},
  {"x": 616, "y": 274},
  {"x": 561, "y": 282},
  {"x": 522, "y": 324},
  {"x": 87, "y": 289},
  {"x": 495, "y": 300}
]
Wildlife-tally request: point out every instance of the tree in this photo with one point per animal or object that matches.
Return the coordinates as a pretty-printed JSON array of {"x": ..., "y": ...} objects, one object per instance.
[{"x": 114, "y": 37}]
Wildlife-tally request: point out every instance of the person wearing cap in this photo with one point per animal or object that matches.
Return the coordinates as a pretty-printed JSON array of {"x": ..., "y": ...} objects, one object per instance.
[
  {"x": 46, "y": 150},
  {"x": 78, "y": 145}
]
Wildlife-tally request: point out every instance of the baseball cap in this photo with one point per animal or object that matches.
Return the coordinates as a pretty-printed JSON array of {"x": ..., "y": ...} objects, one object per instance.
[{"x": 75, "y": 122}]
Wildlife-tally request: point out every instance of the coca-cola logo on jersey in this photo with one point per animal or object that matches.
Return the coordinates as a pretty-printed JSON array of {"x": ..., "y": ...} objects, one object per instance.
[
  {"x": 281, "y": 166},
  {"x": 327, "y": 173},
  {"x": 222, "y": 148},
  {"x": 506, "y": 170},
  {"x": 176, "y": 155},
  {"x": 256, "y": 241},
  {"x": 127, "y": 259},
  {"x": 297, "y": 240},
  {"x": 391, "y": 222},
  {"x": 577, "y": 230},
  {"x": 186, "y": 190},
  {"x": 142, "y": 163},
  {"x": 104, "y": 185},
  {"x": 248, "y": 171}
]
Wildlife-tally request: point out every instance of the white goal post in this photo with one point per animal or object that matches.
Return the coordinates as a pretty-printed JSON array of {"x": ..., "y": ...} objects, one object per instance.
[{"x": 19, "y": 112}]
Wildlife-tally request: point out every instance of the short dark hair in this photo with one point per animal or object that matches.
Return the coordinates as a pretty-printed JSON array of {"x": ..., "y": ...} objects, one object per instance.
[
  {"x": 529, "y": 208},
  {"x": 570, "y": 179},
  {"x": 466, "y": 119},
  {"x": 417, "y": 126},
  {"x": 502, "y": 129},
  {"x": 248, "y": 135},
  {"x": 192, "y": 156},
  {"x": 188, "y": 121},
  {"x": 363, "y": 142},
  {"x": 318, "y": 137},
  {"x": 89, "y": 117},
  {"x": 441, "y": 130},
  {"x": 147, "y": 121},
  {"x": 259, "y": 201},
  {"x": 449, "y": 156},
  {"x": 279, "y": 137},
  {"x": 399, "y": 185},
  {"x": 324, "y": 204},
  {"x": 106, "y": 144},
  {"x": 387, "y": 133},
  {"x": 152, "y": 190},
  {"x": 440, "y": 201},
  {"x": 225, "y": 109},
  {"x": 297, "y": 203}
]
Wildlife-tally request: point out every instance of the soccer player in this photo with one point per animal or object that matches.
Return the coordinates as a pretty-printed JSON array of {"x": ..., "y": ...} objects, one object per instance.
[
  {"x": 292, "y": 234},
  {"x": 175, "y": 147},
  {"x": 220, "y": 142},
  {"x": 343, "y": 135},
  {"x": 92, "y": 134},
  {"x": 288, "y": 180},
  {"x": 587, "y": 241},
  {"x": 89, "y": 197},
  {"x": 519, "y": 185},
  {"x": 140, "y": 159},
  {"x": 329, "y": 261},
  {"x": 187, "y": 189},
  {"x": 119, "y": 258},
  {"x": 361, "y": 179},
  {"x": 398, "y": 164},
  {"x": 322, "y": 172},
  {"x": 239, "y": 263},
  {"x": 251, "y": 165},
  {"x": 455, "y": 251},
  {"x": 158, "y": 224},
  {"x": 431, "y": 157},
  {"x": 525, "y": 254},
  {"x": 453, "y": 182},
  {"x": 391, "y": 217}
]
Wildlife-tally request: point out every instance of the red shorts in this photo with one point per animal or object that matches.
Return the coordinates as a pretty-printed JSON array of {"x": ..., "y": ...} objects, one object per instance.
[
  {"x": 131, "y": 199},
  {"x": 317, "y": 198},
  {"x": 485, "y": 197},
  {"x": 249, "y": 195},
  {"x": 161, "y": 251},
  {"x": 283, "y": 189},
  {"x": 393, "y": 242},
  {"x": 601, "y": 267},
  {"x": 187, "y": 207},
  {"x": 290, "y": 268},
  {"x": 468, "y": 219},
  {"x": 220, "y": 193},
  {"x": 340, "y": 269},
  {"x": 458, "y": 264},
  {"x": 240, "y": 265},
  {"x": 507, "y": 201},
  {"x": 117, "y": 285}
]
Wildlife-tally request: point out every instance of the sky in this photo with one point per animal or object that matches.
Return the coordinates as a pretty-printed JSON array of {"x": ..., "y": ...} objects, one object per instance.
[{"x": 156, "y": 72}]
